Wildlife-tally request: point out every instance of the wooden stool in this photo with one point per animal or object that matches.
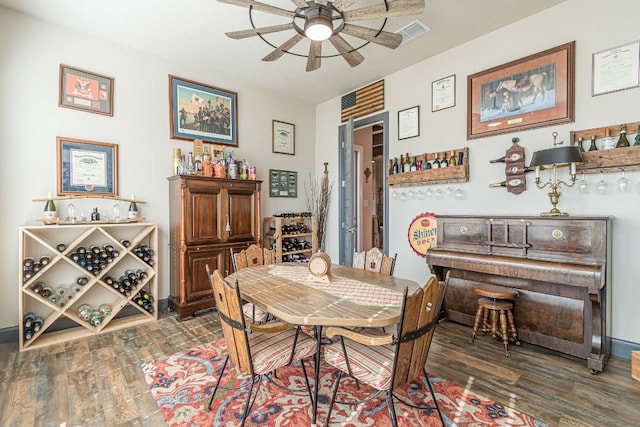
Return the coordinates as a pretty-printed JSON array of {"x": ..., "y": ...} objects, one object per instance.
[{"x": 497, "y": 303}]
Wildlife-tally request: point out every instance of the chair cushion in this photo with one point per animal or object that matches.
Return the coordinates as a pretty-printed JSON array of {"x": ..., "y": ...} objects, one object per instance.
[
  {"x": 259, "y": 316},
  {"x": 372, "y": 365},
  {"x": 272, "y": 351}
]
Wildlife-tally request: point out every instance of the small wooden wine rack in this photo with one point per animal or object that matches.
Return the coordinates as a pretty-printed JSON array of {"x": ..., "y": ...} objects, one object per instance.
[
  {"x": 613, "y": 160},
  {"x": 450, "y": 174}
]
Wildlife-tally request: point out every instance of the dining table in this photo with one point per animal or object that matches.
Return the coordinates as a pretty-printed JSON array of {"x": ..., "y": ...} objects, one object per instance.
[{"x": 346, "y": 297}]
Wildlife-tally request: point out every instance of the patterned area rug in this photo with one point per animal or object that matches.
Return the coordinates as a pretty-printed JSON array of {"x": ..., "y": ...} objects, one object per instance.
[{"x": 182, "y": 384}]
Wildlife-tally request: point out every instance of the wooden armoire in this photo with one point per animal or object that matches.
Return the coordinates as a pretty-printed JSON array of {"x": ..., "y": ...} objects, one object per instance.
[{"x": 208, "y": 216}]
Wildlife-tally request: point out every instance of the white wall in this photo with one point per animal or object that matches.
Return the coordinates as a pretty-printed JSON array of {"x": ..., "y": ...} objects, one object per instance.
[
  {"x": 591, "y": 23},
  {"x": 30, "y": 54}
]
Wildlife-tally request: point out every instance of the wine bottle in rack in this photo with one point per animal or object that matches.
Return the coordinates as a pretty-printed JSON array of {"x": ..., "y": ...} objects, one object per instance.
[
  {"x": 636, "y": 142},
  {"x": 444, "y": 162},
  {"x": 436, "y": 163},
  {"x": 407, "y": 164},
  {"x": 593, "y": 146},
  {"x": 61, "y": 247},
  {"x": 452, "y": 160}
]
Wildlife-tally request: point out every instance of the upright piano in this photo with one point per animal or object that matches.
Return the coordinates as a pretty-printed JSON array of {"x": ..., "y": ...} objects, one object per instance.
[{"x": 558, "y": 265}]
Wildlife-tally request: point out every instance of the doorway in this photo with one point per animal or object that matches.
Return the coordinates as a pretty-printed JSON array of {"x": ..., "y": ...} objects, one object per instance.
[{"x": 363, "y": 193}]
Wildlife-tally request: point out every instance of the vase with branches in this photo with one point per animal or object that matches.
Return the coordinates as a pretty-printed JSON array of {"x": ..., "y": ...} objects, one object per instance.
[{"x": 318, "y": 196}]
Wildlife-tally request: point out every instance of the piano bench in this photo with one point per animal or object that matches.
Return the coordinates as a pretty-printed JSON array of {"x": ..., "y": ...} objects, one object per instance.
[{"x": 498, "y": 305}]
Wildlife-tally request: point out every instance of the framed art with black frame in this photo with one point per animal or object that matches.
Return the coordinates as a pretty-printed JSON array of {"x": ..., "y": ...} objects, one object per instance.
[
  {"x": 409, "y": 122},
  {"x": 199, "y": 111},
  {"x": 531, "y": 92}
]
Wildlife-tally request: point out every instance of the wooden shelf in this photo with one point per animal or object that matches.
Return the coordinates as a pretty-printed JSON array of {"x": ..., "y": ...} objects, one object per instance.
[
  {"x": 276, "y": 237},
  {"x": 450, "y": 174},
  {"x": 613, "y": 160},
  {"x": 59, "y": 221}
]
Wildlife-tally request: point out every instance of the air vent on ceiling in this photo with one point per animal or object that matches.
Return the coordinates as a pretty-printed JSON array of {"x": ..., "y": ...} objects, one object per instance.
[{"x": 412, "y": 30}]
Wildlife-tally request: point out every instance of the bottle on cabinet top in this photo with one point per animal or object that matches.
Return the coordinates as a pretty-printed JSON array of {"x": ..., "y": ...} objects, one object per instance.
[{"x": 622, "y": 140}]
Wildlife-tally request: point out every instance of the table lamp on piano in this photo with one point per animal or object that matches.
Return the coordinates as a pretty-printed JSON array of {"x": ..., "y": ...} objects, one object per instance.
[{"x": 554, "y": 158}]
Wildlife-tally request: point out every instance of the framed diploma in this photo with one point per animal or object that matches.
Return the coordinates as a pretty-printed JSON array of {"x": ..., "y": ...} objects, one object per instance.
[
  {"x": 87, "y": 167},
  {"x": 409, "y": 122},
  {"x": 616, "y": 69},
  {"x": 443, "y": 93},
  {"x": 283, "y": 138}
]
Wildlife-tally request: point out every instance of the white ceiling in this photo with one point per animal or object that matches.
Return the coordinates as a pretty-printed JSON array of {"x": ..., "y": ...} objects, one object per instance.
[{"x": 192, "y": 31}]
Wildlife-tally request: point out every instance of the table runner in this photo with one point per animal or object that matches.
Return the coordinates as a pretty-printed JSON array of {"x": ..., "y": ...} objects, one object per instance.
[{"x": 355, "y": 291}]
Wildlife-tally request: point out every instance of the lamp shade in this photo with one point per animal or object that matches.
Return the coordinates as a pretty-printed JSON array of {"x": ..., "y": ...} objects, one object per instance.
[{"x": 556, "y": 155}]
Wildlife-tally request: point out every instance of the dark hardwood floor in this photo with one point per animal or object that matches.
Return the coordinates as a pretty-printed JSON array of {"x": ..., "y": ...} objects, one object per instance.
[{"x": 97, "y": 381}]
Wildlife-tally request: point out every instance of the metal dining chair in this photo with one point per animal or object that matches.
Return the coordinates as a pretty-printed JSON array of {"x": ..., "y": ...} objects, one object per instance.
[
  {"x": 388, "y": 362},
  {"x": 257, "y": 351}
]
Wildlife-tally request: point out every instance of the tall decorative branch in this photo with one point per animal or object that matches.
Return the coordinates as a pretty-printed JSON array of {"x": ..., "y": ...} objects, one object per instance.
[{"x": 318, "y": 196}]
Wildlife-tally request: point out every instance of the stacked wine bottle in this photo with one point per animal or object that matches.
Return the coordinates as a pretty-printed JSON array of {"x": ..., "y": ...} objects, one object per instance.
[
  {"x": 145, "y": 253},
  {"x": 31, "y": 267},
  {"x": 145, "y": 300},
  {"x": 293, "y": 215},
  {"x": 95, "y": 316},
  {"x": 128, "y": 282},
  {"x": 31, "y": 324},
  {"x": 62, "y": 294},
  {"x": 95, "y": 258}
]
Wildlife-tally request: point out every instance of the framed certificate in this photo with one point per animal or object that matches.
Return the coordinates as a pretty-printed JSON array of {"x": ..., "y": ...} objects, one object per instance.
[
  {"x": 87, "y": 167},
  {"x": 616, "y": 69},
  {"x": 409, "y": 122},
  {"x": 283, "y": 138},
  {"x": 443, "y": 93}
]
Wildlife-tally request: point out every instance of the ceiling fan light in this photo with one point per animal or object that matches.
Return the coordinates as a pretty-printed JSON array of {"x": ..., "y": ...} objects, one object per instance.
[{"x": 318, "y": 26}]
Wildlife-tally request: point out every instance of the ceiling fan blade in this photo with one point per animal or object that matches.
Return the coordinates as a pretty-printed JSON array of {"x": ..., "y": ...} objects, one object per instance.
[
  {"x": 276, "y": 54},
  {"x": 396, "y": 8},
  {"x": 300, "y": 3},
  {"x": 242, "y": 34},
  {"x": 315, "y": 51},
  {"x": 263, "y": 7},
  {"x": 343, "y": 4},
  {"x": 353, "y": 57},
  {"x": 385, "y": 38}
]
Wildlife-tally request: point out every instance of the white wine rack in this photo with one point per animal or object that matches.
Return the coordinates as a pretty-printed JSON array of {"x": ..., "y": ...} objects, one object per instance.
[{"x": 62, "y": 324}]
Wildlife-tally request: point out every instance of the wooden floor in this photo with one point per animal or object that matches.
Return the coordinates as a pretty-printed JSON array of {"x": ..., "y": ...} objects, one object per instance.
[{"x": 97, "y": 381}]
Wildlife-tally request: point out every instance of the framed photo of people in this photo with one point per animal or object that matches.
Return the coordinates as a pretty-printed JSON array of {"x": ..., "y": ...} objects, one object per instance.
[
  {"x": 85, "y": 91},
  {"x": 199, "y": 111},
  {"x": 528, "y": 93},
  {"x": 87, "y": 167}
]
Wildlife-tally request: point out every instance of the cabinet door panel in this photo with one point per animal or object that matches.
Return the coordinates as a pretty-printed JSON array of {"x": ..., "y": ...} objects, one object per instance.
[
  {"x": 196, "y": 275},
  {"x": 242, "y": 216},
  {"x": 203, "y": 215}
]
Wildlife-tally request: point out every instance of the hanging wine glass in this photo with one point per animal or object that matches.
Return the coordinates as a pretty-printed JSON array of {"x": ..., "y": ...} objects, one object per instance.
[
  {"x": 583, "y": 185},
  {"x": 411, "y": 194},
  {"x": 420, "y": 194},
  {"x": 448, "y": 192},
  {"x": 624, "y": 184},
  {"x": 459, "y": 194},
  {"x": 438, "y": 194},
  {"x": 403, "y": 196},
  {"x": 428, "y": 193},
  {"x": 602, "y": 186}
]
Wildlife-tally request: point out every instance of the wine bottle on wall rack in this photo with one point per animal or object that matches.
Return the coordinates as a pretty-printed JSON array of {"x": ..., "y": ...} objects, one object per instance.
[
  {"x": 593, "y": 146},
  {"x": 444, "y": 162},
  {"x": 622, "y": 140}
]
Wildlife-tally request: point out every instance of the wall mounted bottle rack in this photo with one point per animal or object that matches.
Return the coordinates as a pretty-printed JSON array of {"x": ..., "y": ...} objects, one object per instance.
[
  {"x": 613, "y": 160},
  {"x": 450, "y": 174}
]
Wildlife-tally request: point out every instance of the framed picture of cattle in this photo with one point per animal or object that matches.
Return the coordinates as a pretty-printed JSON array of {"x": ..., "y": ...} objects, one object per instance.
[
  {"x": 199, "y": 111},
  {"x": 531, "y": 92}
]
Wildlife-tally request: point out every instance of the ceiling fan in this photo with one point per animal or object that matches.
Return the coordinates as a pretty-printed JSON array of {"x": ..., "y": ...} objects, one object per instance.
[{"x": 319, "y": 20}]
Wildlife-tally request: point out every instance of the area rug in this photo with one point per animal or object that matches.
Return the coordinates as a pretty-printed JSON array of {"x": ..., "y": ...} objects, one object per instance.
[{"x": 182, "y": 384}]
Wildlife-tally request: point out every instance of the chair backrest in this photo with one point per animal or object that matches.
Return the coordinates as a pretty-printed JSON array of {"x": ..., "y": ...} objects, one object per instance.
[
  {"x": 374, "y": 260},
  {"x": 358, "y": 260},
  {"x": 252, "y": 256},
  {"x": 229, "y": 306},
  {"x": 417, "y": 324}
]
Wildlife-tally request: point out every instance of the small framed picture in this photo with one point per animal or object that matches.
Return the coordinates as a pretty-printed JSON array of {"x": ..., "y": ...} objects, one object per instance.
[
  {"x": 443, "y": 93},
  {"x": 283, "y": 138},
  {"x": 616, "y": 69},
  {"x": 85, "y": 91},
  {"x": 409, "y": 122},
  {"x": 87, "y": 167},
  {"x": 283, "y": 183}
]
